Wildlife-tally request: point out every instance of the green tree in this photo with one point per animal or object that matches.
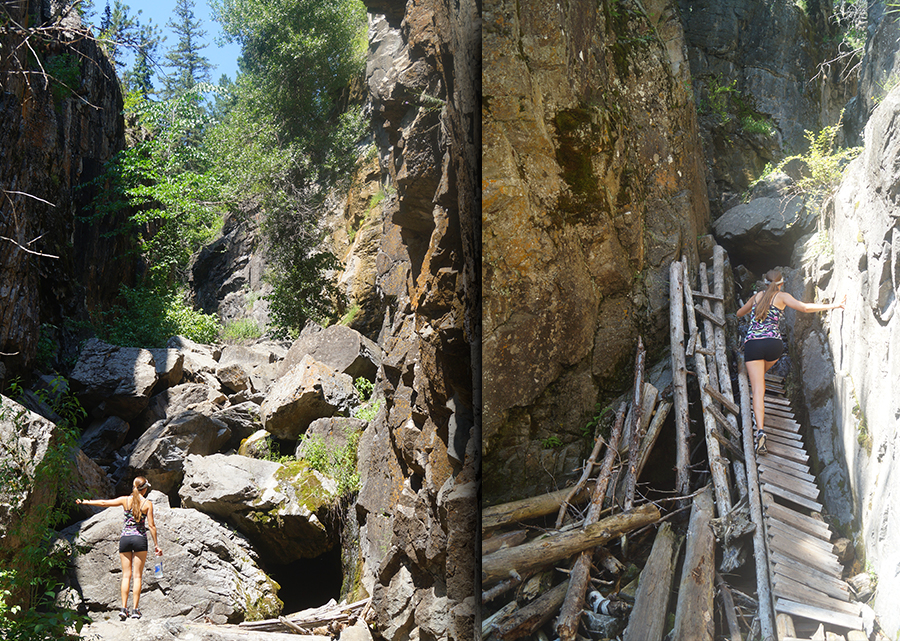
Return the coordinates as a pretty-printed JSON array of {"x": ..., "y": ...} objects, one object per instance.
[
  {"x": 188, "y": 66},
  {"x": 119, "y": 28},
  {"x": 139, "y": 79}
]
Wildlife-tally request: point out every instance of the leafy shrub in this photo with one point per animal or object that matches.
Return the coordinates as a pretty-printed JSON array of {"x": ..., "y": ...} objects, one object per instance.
[
  {"x": 338, "y": 463},
  {"x": 241, "y": 329}
]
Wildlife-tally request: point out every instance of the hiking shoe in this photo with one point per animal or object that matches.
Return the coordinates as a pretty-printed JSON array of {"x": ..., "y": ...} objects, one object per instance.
[
  {"x": 135, "y": 613},
  {"x": 123, "y": 614},
  {"x": 761, "y": 443}
]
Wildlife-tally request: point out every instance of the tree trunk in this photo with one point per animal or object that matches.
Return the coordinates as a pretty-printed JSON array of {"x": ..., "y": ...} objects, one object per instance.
[
  {"x": 694, "y": 615},
  {"x": 549, "y": 549},
  {"x": 679, "y": 379},
  {"x": 525, "y": 509},
  {"x": 636, "y": 436},
  {"x": 528, "y": 619},
  {"x": 648, "y": 618}
]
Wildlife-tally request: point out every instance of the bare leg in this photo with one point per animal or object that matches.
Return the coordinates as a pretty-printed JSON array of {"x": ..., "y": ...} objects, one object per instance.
[
  {"x": 756, "y": 372},
  {"x": 137, "y": 565},
  {"x": 125, "y": 558}
]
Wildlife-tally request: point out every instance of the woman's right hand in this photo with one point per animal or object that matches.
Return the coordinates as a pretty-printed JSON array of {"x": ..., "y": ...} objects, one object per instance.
[{"x": 842, "y": 303}]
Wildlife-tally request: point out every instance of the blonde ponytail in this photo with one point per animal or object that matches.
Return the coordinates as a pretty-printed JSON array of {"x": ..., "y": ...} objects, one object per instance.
[
  {"x": 139, "y": 484},
  {"x": 773, "y": 279}
]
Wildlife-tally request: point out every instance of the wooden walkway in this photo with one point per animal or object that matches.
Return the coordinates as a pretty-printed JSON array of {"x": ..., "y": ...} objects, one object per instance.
[{"x": 804, "y": 572}]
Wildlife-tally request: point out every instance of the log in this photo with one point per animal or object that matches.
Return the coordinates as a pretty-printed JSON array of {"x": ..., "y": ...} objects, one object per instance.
[
  {"x": 545, "y": 551},
  {"x": 716, "y": 466},
  {"x": 636, "y": 436},
  {"x": 525, "y": 509},
  {"x": 506, "y": 539},
  {"x": 501, "y": 588},
  {"x": 679, "y": 379},
  {"x": 766, "y": 618},
  {"x": 487, "y": 626},
  {"x": 652, "y": 434},
  {"x": 648, "y": 618},
  {"x": 724, "y": 400},
  {"x": 694, "y": 614},
  {"x": 734, "y": 628},
  {"x": 585, "y": 475},
  {"x": 526, "y": 620},
  {"x": 570, "y": 614},
  {"x": 718, "y": 320}
]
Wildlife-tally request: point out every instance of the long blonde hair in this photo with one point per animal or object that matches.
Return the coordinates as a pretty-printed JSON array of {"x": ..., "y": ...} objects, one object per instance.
[
  {"x": 140, "y": 483},
  {"x": 773, "y": 279}
]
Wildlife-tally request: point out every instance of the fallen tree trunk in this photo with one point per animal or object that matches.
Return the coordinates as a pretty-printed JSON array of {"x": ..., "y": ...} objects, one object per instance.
[
  {"x": 648, "y": 618},
  {"x": 679, "y": 379},
  {"x": 694, "y": 615},
  {"x": 636, "y": 435},
  {"x": 734, "y": 629},
  {"x": 526, "y": 509},
  {"x": 549, "y": 549},
  {"x": 526, "y": 620}
]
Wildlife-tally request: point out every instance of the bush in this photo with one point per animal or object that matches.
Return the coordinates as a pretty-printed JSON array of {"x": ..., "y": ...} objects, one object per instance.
[
  {"x": 241, "y": 329},
  {"x": 338, "y": 463}
]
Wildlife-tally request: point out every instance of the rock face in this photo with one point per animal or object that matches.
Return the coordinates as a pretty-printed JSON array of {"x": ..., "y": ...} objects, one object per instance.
[
  {"x": 344, "y": 349},
  {"x": 847, "y": 361},
  {"x": 593, "y": 183},
  {"x": 114, "y": 381},
  {"x": 422, "y": 78},
  {"x": 52, "y": 142},
  {"x": 210, "y": 572},
  {"x": 279, "y": 508}
]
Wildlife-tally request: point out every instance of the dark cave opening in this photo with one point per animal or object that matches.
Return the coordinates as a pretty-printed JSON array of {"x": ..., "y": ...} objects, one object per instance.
[{"x": 309, "y": 583}]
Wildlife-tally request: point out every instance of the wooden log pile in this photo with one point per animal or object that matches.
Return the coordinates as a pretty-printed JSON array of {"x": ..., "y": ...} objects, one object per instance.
[
  {"x": 325, "y": 620},
  {"x": 565, "y": 564}
]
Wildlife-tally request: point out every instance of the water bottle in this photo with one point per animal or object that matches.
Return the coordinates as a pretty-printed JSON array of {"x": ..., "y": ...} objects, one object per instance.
[{"x": 157, "y": 569}]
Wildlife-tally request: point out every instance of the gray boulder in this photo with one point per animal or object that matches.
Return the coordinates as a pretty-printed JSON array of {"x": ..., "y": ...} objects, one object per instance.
[
  {"x": 198, "y": 359},
  {"x": 233, "y": 377},
  {"x": 210, "y": 572},
  {"x": 334, "y": 431},
  {"x": 169, "y": 367},
  {"x": 257, "y": 445},
  {"x": 308, "y": 391},
  {"x": 344, "y": 349},
  {"x": 280, "y": 508},
  {"x": 160, "y": 452},
  {"x": 247, "y": 357},
  {"x": 243, "y": 419},
  {"x": 174, "y": 401},
  {"x": 764, "y": 228},
  {"x": 90, "y": 481},
  {"x": 113, "y": 381},
  {"x": 103, "y": 437}
]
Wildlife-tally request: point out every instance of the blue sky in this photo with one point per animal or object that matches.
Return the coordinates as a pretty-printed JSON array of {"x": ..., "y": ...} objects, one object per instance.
[{"x": 223, "y": 57}]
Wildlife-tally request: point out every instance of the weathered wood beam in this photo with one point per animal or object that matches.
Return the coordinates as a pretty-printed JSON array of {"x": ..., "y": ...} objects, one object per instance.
[
  {"x": 648, "y": 618},
  {"x": 530, "y": 508},
  {"x": 679, "y": 379},
  {"x": 525, "y": 621},
  {"x": 694, "y": 614},
  {"x": 636, "y": 436}
]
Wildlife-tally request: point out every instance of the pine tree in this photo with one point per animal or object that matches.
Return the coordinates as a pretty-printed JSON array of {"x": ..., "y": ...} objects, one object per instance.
[
  {"x": 118, "y": 27},
  {"x": 140, "y": 77},
  {"x": 188, "y": 66}
]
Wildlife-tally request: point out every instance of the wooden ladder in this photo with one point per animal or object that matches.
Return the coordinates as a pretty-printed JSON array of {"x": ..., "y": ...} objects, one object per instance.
[{"x": 804, "y": 572}]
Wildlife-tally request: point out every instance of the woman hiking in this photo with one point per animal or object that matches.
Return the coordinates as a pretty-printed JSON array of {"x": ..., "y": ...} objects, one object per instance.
[
  {"x": 133, "y": 542},
  {"x": 763, "y": 345}
]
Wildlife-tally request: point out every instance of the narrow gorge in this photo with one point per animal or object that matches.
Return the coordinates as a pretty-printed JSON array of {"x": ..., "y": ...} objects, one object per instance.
[
  {"x": 257, "y": 541},
  {"x": 622, "y": 138}
]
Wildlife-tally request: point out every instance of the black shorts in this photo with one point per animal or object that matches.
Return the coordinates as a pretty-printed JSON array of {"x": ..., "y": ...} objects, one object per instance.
[
  {"x": 763, "y": 349},
  {"x": 133, "y": 543}
]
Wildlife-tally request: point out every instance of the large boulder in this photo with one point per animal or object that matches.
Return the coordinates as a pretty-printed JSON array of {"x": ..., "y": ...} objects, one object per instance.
[
  {"x": 210, "y": 571},
  {"x": 200, "y": 361},
  {"x": 281, "y": 508},
  {"x": 161, "y": 451},
  {"x": 103, "y": 437},
  {"x": 308, "y": 391},
  {"x": 247, "y": 357},
  {"x": 112, "y": 380},
  {"x": 90, "y": 480},
  {"x": 169, "y": 367},
  {"x": 344, "y": 349},
  {"x": 764, "y": 229},
  {"x": 174, "y": 401},
  {"x": 243, "y": 419},
  {"x": 334, "y": 432},
  {"x": 233, "y": 377}
]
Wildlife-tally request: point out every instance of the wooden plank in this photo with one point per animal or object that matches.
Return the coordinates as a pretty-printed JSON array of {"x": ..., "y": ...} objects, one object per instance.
[
  {"x": 790, "y": 483},
  {"x": 709, "y": 315},
  {"x": 726, "y": 402},
  {"x": 814, "y": 579},
  {"x": 778, "y": 411},
  {"x": 790, "y": 453},
  {"x": 818, "y": 614},
  {"x": 793, "y": 497},
  {"x": 808, "y": 554},
  {"x": 789, "y": 589},
  {"x": 798, "y": 520},
  {"x": 785, "y": 434},
  {"x": 648, "y": 618},
  {"x": 778, "y": 400},
  {"x": 797, "y": 535},
  {"x": 790, "y": 442},
  {"x": 800, "y": 466},
  {"x": 782, "y": 559},
  {"x": 781, "y": 423},
  {"x": 775, "y": 378},
  {"x": 694, "y": 609},
  {"x": 772, "y": 464}
]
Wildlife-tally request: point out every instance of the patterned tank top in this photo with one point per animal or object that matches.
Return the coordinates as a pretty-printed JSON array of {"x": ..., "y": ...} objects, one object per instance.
[
  {"x": 132, "y": 527},
  {"x": 767, "y": 327}
]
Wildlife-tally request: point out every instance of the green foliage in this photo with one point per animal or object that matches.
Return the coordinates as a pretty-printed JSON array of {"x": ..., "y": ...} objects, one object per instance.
[
  {"x": 29, "y": 582},
  {"x": 886, "y": 87},
  {"x": 301, "y": 290},
  {"x": 149, "y": 316},
  {"x": 591, "y": 427},
  {"x": 189, "y": 67},
  {"x": 719, "y": 97},
  {"x": 551, "y": 442},
  {"x": 364, "y": 388},
  {"x": 47, "y": 348},
  {"x": 241, "y": 329},
  {"x": 337, "y": 462},
  {"x": 753, "y": 125},
  {"x": 348, "y": 317}
]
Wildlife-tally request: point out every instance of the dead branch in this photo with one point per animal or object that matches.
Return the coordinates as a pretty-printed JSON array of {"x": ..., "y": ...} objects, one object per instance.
[
  {"x": 636, "y": 436},
  {"x": 679, "y": 378}
]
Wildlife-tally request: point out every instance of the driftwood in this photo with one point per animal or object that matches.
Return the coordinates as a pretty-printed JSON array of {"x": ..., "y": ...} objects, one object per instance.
[
  {"x": 501, "y": 588},
  {"x": 716, "y": 464},
  {"x": 679, "y": 378},
  {"x": 526, "y": 620},
  {"x": 549, "y": 549},
  {"x": 570, "y": 614},
  {"x": 505, "y": 539},
  {"x": 734, "y": 629},
  {"x": 694, "y": 615},
  {"x": 636, "y": 435},
  {"x": 306, "y": 620},
  {"x": 488, "y": 624},
  {"x": 531, "y": 508},
  {"x": 585, "y": 474},
  {"x": 662, "y": 411},
  {"x": 766, "y": 620},
  {"x": 648, "y": 618}
]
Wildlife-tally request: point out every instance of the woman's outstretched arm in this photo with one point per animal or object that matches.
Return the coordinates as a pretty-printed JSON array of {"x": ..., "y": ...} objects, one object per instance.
[
  {"x": 103, "y": 502},
  {"x": 800, "y": 306}
]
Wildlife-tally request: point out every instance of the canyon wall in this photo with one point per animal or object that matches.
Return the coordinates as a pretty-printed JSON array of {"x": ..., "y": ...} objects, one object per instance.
[
  {"x": 57, "y": 133},
  {"x": 593, "y": 182}
]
